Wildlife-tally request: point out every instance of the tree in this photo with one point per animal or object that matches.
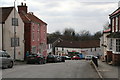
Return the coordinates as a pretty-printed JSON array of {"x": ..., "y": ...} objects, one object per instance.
[
  {"x": 97, "y": 35},
  {"x": 85, "y": 35},
  {"x": 68, "y": 31}
]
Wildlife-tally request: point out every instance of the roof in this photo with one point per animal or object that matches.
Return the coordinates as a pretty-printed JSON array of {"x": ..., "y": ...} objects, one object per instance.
[
  {"x": 115, "y": 12},
  {"x": 30, "y": 17},
  {"x": 114, "y": 35},
  {"x": 107, "y": 31},
  {"x": 5, "y": 11},
  {"x": 79, "y": 44}
]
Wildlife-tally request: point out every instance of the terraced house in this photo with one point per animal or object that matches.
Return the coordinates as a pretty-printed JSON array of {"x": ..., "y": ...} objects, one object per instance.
[
  {"x": 11, "y": 32},
  {"x": 35, "y": 31}
]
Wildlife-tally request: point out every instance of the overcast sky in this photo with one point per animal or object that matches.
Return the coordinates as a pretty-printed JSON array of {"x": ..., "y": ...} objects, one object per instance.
[{"x": 77, "y": 14}]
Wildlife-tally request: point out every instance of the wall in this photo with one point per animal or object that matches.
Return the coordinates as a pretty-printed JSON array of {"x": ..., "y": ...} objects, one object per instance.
[{"x": 9, "y": 33}]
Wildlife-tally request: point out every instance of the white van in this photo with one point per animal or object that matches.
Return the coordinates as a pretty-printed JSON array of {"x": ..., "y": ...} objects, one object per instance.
[{"x": 89, "y": 57}]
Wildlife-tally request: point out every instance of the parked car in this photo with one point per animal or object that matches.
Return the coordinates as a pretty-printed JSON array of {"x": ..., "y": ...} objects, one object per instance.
[
  {"x": 5, "y": 60},
  {"x": 88, "y": 57},
  {"x": 36, "y": 58},
  {"x": 75, "y": 58},
  {"x": 51, "y": 58},
  {"x": 62, "y": 58},
  {"x": 67, "y": 58}
]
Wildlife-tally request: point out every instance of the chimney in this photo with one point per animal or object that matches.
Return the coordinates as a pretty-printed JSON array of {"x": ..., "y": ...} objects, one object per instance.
[{"x": 22, "y": 8}]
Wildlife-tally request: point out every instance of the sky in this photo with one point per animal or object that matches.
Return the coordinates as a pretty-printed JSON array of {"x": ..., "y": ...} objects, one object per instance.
[{"x": 90, "y": 15}]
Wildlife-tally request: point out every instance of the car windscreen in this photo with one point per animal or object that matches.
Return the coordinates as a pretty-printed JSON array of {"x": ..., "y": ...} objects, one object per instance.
[{"x": 1, "y": 54}]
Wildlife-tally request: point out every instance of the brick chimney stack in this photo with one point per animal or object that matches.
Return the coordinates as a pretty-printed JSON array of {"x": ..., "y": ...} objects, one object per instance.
[{"x": 22, "y": 8}]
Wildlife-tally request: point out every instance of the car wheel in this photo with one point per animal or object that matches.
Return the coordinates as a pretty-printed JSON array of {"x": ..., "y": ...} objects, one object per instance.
[
  {"x": 39, "y": 62},
  {"x": 10, "y": 65}
]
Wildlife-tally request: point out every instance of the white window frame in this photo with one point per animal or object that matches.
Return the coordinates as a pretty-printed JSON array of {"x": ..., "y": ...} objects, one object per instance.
[
  {"x": 113, "y": 25},
  {"x": 116, "y": 24}
]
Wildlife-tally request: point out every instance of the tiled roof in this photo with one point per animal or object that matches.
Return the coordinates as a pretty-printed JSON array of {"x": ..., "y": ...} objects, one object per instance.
[
  {"x": 115, "y": 12},
  {"x": 5, "y": 11},
  {"x": 30, "y": 17},
  {"x": 79, "y": 44}
]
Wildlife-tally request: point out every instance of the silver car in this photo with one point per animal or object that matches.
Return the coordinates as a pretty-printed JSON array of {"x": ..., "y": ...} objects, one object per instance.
[{"x": 5, "y": 60}]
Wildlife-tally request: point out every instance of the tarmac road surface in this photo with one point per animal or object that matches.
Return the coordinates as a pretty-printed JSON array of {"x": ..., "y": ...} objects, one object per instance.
[{"x": 68, "y": 69}]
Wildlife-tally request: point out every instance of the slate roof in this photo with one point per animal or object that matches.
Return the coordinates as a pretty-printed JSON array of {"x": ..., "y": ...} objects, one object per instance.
[
  {"x": 5, "y": 11},
  {"x": 79, "y": 44}
]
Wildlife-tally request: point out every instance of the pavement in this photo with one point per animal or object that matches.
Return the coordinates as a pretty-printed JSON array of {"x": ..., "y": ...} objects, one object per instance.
[
  {"x": 108, "y": 71},
  {"x": 19, "y": 62}
]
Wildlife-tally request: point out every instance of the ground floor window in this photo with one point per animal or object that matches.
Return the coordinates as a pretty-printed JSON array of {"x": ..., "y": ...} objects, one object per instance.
[
  {"x": 14, "y": 42},
  {"x": 33, "y": 49},
  {"x": 117, "y": 45}
]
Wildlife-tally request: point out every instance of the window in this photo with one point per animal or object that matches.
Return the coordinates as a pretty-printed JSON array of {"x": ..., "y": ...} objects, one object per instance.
[
  {"x": 91, "y": 49},
  {"x": 14, "y": 21},
  {"x": 38, "y": 35},
  {"x": 117, "y": 45},
  {"x": 33, "y": 28},
  {"x": 110, "y": 46},
  {"x": 33, "y": 36},
  {"x": 95, "y": 49},
  {"x": 14, "y": 43},
  {"x": 116, "y": 23},
  {"x": 33, "y": 49},
  {"x": 113, "y": 25},
  {"x": 62, "y": 49}
]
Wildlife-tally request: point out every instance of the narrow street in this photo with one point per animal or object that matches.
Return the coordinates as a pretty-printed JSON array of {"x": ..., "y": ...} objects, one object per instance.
[{"x": 69, "y": 69}]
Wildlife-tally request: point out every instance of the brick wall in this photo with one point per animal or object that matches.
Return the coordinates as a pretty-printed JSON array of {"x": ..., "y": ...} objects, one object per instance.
[
  {"x": 109, "y": 56},
  {"x": 116, "y": 59}
]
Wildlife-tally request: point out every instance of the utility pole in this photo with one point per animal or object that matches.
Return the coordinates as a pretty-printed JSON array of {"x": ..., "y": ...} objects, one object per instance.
[{"x": 14, "y": 33}]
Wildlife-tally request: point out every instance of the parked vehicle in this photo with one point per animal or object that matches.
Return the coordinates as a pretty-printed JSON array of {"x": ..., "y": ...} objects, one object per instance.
[
  {"x": 58, "y": 58},
  {"x": 36, "y": 58},
  {"x": 81, "y": 56},
  {"x": 62, "y": 58},
  {"x": 75, "y": 58},
  {"x": 5, "y": 60},
  {"x": 67, "y": 58},
  {"x": 88, "y": 57},
  {"x": 51, "y": 58}
]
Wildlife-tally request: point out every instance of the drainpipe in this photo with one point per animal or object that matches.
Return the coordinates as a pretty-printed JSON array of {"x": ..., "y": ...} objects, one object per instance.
[{"x": 2, "y": 38}]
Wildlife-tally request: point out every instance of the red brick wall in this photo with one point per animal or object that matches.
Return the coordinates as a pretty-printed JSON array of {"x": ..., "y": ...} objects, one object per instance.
[
  {"x": 109, "y": 56},
  {"x": 27, "y": 37},
  {"x": 116, "y": 59}
]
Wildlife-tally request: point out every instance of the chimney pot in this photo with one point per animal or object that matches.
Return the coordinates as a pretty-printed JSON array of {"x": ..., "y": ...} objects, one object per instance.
[{"x": 22, "y": 3}]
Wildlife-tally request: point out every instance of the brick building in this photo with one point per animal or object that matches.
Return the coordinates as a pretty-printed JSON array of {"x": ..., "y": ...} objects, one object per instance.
[{"x": 35, "y": 31}]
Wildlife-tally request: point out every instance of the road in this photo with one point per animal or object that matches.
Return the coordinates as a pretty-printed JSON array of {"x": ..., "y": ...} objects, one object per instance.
[{"x": 68, "y": 69}]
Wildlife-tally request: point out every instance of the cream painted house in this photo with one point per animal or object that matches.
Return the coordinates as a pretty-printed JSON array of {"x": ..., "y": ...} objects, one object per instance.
[
  {"x": 104, "y": 42},
  {"x": 10, "y": 21}
]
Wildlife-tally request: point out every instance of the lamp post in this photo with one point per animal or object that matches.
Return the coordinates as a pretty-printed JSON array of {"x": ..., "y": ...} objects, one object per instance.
[{"x": 14, "y": 32}]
